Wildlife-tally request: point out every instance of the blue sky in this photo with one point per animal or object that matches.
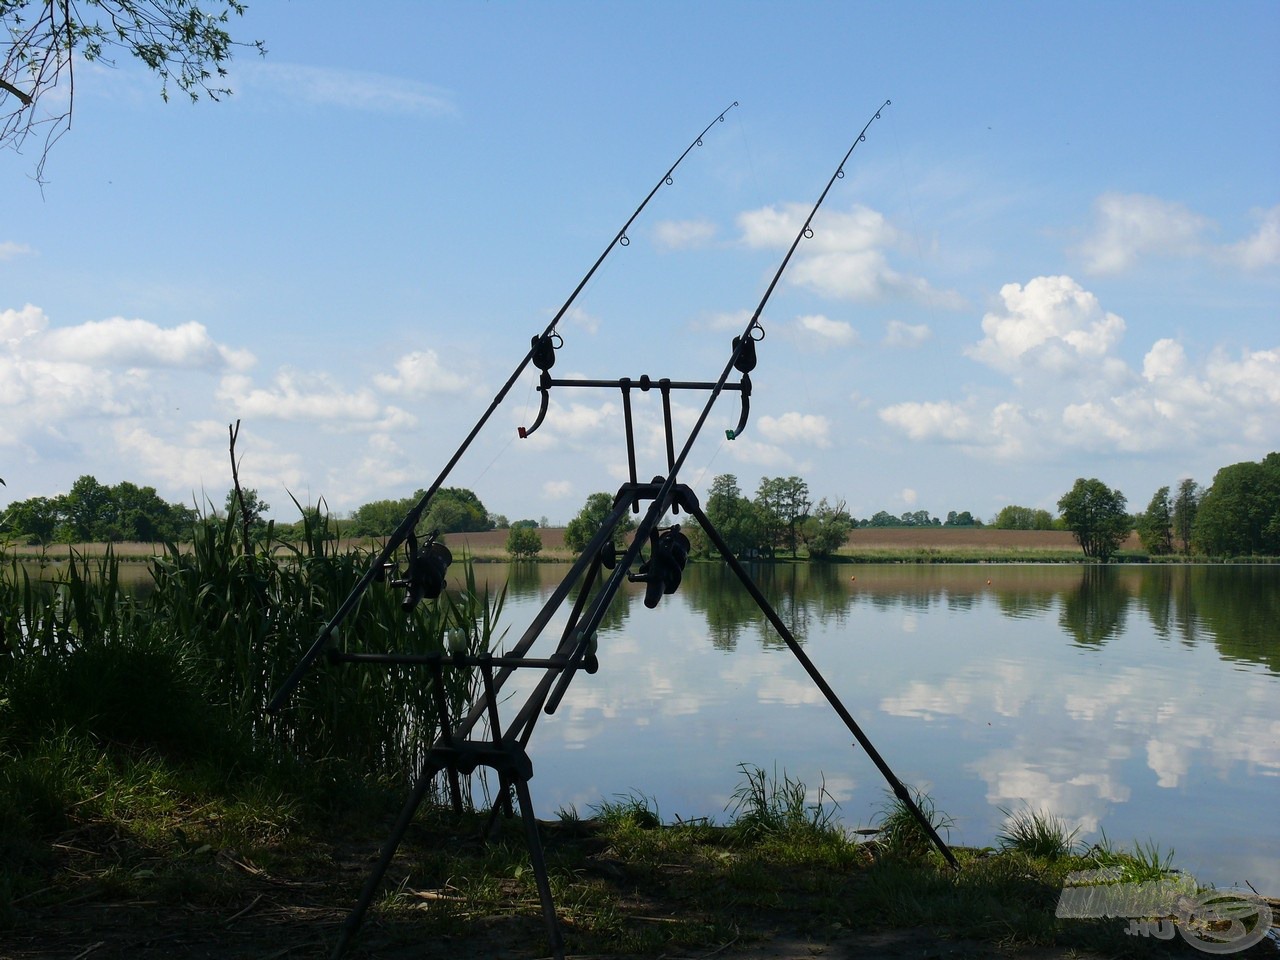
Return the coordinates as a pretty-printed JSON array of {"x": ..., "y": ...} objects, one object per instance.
[{"x": 1057, "y": 253}]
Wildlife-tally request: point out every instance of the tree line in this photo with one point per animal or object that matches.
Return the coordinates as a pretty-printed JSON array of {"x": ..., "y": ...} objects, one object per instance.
[{"x": 1237, "y": 515}]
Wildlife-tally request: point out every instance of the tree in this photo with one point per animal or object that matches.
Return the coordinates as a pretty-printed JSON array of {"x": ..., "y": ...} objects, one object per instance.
[
  {"x": 32, "y": 521},
  {"x": 81, "y": 509},
  {"x": 248, "y": 507},
  {"x": 524, "y": 542},
  {"x": 1155, "y": 524},
  {"x": 733, "y": 515},
  {"x": 1096, "y": 515},
  {"x": 1022, "y": 518},
  {"x": 826, "y": 530},
  {"x": 782, "y": 503},
  {"x": 378, "y": 518},
  {"x": 455, "y": 510},
  {"x": 180, "y": 41},
  {"x": 1185, "y": 505},
  {"x": 962, "y": 519},
  {"x": 591, "y": 518},
  {"x": 1240, "y": 513}
]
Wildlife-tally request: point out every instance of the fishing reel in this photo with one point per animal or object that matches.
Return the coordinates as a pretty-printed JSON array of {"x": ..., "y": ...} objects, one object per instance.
[
  {"x": 662, "y": 572},
  {"x": 424, "y": 573}
]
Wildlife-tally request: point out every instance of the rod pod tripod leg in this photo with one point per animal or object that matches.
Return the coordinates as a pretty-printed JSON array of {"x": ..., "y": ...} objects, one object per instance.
[{"x": 766, "y": 608}]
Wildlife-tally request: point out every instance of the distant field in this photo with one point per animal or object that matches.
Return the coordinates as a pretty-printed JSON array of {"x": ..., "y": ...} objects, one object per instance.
[{"x": 491, "y": 544}]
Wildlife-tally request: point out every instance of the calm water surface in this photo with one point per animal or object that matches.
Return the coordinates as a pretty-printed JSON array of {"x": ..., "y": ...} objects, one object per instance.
[{"x": 1139, "y": 701}]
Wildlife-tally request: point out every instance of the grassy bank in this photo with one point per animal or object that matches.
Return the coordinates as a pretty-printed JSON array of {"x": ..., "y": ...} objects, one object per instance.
[
  {"x": 150, "y": 808},
  {"x": 148, "y": 862}
]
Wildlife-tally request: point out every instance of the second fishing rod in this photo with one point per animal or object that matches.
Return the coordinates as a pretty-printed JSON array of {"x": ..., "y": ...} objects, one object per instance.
[{"x": 538, "y": 353}]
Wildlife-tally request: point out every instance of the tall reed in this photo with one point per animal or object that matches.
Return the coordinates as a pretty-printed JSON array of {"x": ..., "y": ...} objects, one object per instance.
[{"x": 204, "y": 650}]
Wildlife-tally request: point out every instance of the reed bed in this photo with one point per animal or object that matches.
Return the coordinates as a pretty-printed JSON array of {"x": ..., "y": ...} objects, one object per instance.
[{"x": 186, "y": 666}]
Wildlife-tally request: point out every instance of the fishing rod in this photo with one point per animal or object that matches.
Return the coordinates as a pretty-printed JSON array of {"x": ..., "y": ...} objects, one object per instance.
[
  {"x": 667, "y": 494},
  {"x": 541, "y": 353},
  {"x": 743, "y": 358}
]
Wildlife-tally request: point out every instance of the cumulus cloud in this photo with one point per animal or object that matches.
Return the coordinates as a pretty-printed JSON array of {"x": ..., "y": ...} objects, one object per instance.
[
  {"x": 907, "y": 335},
  {"x": 17, "y": 325},
  {"x": 803, "y": 428},
  {"x": 943, "y": 420},
  {"x": 310, "y": 397},
  {"x": 1051, "y": 325},
  {"x": 844, "y": 258},
  {"x": 1262, "y": 248},
  {"x": 1071, "y": 392},
  {"x": 418, "y": 374},
  {"x": 1129, "y": 226},
  {"x": 822, "y": 330},
  {"x": 50, "y": 375},
  {"x": 683, "y": 234},
  {"x": 139, "y": 343}
]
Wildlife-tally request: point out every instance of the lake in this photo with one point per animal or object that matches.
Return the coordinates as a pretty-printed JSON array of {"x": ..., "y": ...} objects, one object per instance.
[{"x": 1143, "y": 701}]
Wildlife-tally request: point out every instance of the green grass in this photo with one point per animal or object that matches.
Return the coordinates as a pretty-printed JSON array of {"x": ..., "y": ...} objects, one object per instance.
[{"x": 1038, "y": 833}]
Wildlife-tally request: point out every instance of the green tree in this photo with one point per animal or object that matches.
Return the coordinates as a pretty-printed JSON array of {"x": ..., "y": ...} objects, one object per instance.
[
  {"x": 732, "y": 514},
  {"x": 1240, "y": 513},
  {"x": 378, "y": 518},
  {"x": 826, "y": 529},
  {"x": 83, "y": 510},
  {"x": 1014, "y": 517},
  {"x": 455, "y": 510},
  {"x": 183, "y": 43},
  {"x": 590, "y": 519},
  {"x": 1096, "y": 515},
  {"x": 524, "y": 543},
  {"x": 247, "y": 507},
  {"x": 782, "y": 503},
  {"x": 1185, "y": 505},
  {"x": 1155, "y": 524},
  {"x": 33, "y": 521},
  {"x": 962, "y": 519}
]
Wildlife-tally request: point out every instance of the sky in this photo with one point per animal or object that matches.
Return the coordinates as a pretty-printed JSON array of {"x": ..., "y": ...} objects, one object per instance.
[{"x": 1055, "y": 255}]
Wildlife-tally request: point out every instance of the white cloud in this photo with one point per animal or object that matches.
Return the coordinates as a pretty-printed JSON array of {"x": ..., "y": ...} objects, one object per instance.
[
  {"x": 310, "y": 397},
  {"x": 418, "y": 374},
  {"x": 17, "y": 325},
  {"x": 1129, "y": 226},
  {"x": 803, "y": 428},
  {"x": 825, "y": 331},
  {"x": 843, "y": 259},
  {"x": 1051, "y": 325},
  {"x": 140, "y": 343},
  {"x": 930, "y": 421},
  {"x": 909, "y": 335},
  {"x": 1070, "y": 392},
  {"x": 9, "y": 249},
  {"x": 1262, "y": 248},
  {"x": 683, "y": 234},
  {"x": 909, "y": 496},
  {"x": 197, "y": 459},
  {"x": 734, "y": 321}
]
